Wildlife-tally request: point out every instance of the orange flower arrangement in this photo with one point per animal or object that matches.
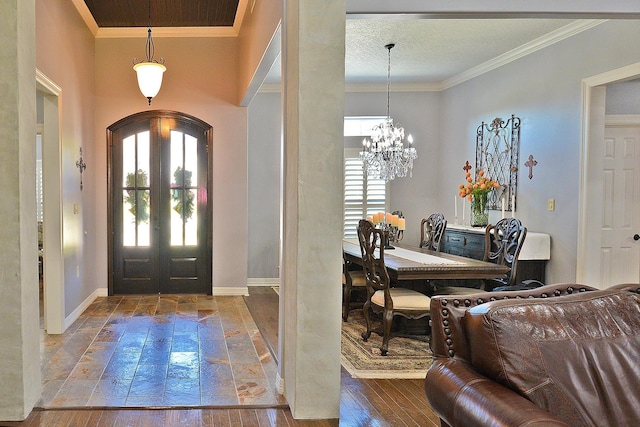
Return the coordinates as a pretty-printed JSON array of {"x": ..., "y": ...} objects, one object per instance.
[
  {"x": 477, "y": 193},
  {"x": 478, "y": 189}
]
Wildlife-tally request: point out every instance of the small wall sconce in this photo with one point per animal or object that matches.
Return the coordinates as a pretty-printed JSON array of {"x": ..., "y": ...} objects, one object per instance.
[{"x": 82, "y": 166}]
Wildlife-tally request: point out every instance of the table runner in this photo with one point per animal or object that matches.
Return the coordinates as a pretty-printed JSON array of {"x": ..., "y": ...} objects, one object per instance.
[{"x": 420, "y": 257}]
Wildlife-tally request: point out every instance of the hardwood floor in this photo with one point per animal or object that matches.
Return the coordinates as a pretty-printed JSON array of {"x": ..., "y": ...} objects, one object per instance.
[{"x": 363, "y": 402}]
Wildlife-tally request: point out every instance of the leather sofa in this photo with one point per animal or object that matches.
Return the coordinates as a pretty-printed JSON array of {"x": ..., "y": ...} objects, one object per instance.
[{"x": 557, "y": 355}]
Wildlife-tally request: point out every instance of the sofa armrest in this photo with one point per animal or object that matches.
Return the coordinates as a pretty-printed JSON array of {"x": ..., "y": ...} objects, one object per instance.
[{"x": 462, "y": 397}]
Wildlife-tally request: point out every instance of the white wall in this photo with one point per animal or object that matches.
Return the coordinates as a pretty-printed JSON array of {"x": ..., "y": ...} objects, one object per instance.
[
  {"x": 623, "y": 98},
  {"x": 65, "y": 54},
  {"x": 263, "y": 157},
  {"x": 544, "y": 90}
]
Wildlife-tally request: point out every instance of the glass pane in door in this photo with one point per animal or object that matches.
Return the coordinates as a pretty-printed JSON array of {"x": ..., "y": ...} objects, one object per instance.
[
  {"x": 136, "y": 190},
  {"x": 184, "y": 175}
]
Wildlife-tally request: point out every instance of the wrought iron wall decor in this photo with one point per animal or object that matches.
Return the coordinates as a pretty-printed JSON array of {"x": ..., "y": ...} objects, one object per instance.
[
  {"x": 80, "y": 164},
  {"x": 497, "y": 153}
]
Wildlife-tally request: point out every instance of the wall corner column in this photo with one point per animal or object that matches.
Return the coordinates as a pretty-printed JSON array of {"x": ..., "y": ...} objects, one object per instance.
[
  {"x": 19, "y": 329},
  {"x": 313, "y": 40}
]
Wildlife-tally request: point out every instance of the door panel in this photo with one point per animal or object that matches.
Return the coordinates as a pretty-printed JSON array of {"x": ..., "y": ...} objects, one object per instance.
[
  {"x": 619, "y": 252},
  {"x": 159, "y": 192}
]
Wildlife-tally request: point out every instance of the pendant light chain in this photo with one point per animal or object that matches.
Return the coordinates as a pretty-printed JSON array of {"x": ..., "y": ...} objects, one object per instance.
[
  {"x": 150, "y": 46},
  {"x": 389, "y": 47}
]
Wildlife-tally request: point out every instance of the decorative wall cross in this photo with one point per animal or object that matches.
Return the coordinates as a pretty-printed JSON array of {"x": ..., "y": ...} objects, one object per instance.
[
  {"x": 82, "y": 166},
  {"x": 530, "y": 164},
  {"x": 466, "y": 167}
]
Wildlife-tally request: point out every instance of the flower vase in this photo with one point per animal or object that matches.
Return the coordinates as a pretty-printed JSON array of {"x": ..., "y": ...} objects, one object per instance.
[{"x": 479, "y": 211}]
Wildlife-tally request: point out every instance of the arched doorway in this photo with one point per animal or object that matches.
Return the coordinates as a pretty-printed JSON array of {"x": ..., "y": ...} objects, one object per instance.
[{"x": 159, "y": 204}]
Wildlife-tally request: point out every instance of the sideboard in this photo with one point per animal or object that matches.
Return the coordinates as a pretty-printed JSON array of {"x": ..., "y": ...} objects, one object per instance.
[{"x": 469, "y": 242}]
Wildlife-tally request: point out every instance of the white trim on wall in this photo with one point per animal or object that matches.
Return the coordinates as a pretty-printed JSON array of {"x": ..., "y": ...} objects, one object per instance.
[
  {"x": 270, "y": 281},
  {"x": 229, "y": 291},
  {"x": 53, "y": 268},
  {"x": 75, "y": 314},
  {"x": 622, "y": 120}
]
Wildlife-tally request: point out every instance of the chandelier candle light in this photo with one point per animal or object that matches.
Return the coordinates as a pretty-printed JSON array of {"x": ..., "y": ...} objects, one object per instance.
[
  {"x": 149, "y": 71},
  {"x": 385, "y": 156}
]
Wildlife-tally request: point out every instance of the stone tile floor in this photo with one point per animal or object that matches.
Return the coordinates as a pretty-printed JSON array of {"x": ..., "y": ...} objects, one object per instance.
[{"x": 156, "y": 351}]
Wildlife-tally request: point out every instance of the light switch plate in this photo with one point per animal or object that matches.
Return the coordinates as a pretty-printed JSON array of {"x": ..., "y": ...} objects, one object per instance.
[{"x": 551, "y": 204}]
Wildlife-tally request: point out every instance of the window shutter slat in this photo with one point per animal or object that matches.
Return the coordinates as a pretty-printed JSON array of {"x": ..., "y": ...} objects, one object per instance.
[{"x": 362, "y": 197}]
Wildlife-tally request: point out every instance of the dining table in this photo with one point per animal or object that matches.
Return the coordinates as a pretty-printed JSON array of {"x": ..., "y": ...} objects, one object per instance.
[{"x": 406, "y": 262}]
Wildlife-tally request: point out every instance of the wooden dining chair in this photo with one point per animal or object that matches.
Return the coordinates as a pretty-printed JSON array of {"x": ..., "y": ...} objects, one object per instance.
[
  {"x": 432, "y": 230},
  {"x": 503, "y": 243},
  {"x": 381, "y": 297},
  {"x": 353, "y": 280}
]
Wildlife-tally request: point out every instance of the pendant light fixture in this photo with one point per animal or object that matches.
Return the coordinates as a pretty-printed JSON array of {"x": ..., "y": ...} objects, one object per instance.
[
  {"x": 385, "y": 156},
  {"x": 149, "y": 71}
]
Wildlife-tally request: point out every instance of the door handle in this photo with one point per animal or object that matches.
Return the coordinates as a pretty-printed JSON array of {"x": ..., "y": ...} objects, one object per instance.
[{"x": 636, "y": 237}]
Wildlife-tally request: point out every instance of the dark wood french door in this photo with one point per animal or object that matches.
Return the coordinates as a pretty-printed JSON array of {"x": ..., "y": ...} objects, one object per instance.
[{"x": 160, "y": 215}]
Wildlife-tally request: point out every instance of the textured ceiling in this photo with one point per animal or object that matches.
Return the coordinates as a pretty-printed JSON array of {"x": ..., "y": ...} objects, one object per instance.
[
  {"x": 164, "y": 13},
  {"x": 432, "y": 50},
  {"x": 437, "y": 52}
]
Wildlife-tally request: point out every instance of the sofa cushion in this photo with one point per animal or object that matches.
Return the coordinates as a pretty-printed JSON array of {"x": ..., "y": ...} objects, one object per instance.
[{"x": 575, "y": 356}]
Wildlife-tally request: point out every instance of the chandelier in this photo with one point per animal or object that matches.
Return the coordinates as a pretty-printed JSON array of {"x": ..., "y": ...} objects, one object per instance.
[
  {"x": 149, "y": 71},
  {"x": 385, "y": 155}
]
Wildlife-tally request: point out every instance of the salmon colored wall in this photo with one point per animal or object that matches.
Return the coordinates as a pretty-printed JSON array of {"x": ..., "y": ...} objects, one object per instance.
[
  {"x": 201, "y": 80},
  {"x": 257, "y": 30},
  {"x": 64, "y": 53}
]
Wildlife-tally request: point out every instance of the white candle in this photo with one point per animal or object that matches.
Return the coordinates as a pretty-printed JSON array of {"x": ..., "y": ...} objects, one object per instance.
[
  {"x": 464, "y": 208},
  {"x": 455, "y": 204},
  {"x": 513, "y": 205},
  {"x": 503, "y": 196}
]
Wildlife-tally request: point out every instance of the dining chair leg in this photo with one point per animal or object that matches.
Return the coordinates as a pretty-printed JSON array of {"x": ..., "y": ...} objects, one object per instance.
[
  {"x": 346, "y": 302},
  {"x": 387, "y": 320},
  {"x": 366, "y": 334}
]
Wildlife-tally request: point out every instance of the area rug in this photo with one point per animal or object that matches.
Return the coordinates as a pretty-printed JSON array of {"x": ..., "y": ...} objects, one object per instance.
[{"x": 407, "y": 357}]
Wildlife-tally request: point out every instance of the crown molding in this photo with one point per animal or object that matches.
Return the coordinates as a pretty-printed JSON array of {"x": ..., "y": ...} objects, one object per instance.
[
  {"x": 164, "y": 32},
  {"x": 47, "y": 83},
  {"x": 524, "y": 50},
  {"x": 86, "y": 16}
]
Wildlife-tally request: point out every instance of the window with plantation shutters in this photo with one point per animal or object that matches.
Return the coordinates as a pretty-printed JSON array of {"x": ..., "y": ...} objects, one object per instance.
[{"x": 362, "y": 196}]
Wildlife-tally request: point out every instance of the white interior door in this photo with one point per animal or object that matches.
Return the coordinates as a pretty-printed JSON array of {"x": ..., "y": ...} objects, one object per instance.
[{"x": 619, "y": 250}]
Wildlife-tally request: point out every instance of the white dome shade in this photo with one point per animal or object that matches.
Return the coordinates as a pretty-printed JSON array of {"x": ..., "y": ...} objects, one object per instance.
[{"x": 149, "y": 77}]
